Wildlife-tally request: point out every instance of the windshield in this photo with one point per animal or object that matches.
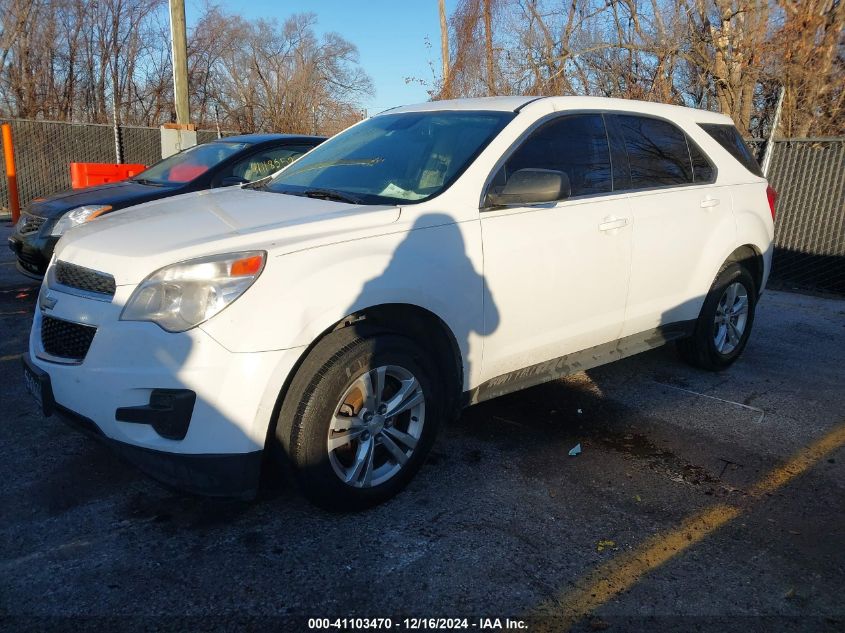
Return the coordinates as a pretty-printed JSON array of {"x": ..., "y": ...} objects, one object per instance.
[
  {"x": 188, "y": 164},
  {"x": 393, "y": 158}
]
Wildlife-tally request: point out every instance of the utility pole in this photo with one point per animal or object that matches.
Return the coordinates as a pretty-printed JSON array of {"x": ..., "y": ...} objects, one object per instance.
[
  {"x": 444, "y": 49},
  {"x": 179, "y": 41}
]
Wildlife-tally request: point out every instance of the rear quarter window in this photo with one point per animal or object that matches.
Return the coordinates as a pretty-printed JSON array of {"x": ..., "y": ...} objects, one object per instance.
[{"x": 729, "y": 138}]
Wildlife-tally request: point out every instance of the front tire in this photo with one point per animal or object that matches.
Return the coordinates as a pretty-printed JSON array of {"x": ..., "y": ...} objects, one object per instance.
[
  {"x": 360, "y": 417},
  {"x": 724, "y": 325}
]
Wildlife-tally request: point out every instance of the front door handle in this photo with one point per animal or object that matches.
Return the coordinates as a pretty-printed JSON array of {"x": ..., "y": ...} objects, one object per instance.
[
  {"x": 612, "y": 223},
  {"x": 709, "y": 202}
]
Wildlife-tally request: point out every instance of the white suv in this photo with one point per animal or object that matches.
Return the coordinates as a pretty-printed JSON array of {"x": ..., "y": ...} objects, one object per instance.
[{"x": 425, "y": 259}]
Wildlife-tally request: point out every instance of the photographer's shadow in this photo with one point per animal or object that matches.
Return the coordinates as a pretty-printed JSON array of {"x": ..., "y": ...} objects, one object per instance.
[{"x": 430, "y": 269}]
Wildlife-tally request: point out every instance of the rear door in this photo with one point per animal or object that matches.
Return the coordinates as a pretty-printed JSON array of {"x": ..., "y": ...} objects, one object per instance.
[
  {"x": 557, "y": 272},
  {"x": 681, "y": 221}
]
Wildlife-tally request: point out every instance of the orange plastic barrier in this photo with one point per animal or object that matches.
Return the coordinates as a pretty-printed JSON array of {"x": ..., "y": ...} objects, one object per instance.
[
  {"x": 11, "y": 172},
  {"x": 90, "y": 174}
]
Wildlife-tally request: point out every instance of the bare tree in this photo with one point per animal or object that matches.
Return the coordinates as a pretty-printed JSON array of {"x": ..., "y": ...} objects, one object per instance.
[
  {"x": 74, "y": 59},
  {"x": 89, "y": 61},
  {"x": 810, "y": 64},
  {"x": 726, "y": 55}
]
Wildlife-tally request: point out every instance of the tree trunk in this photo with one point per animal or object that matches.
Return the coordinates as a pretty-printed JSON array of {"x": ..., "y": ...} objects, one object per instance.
[
  {"x": 488, "y": 48},
  {"x": 444, "y": 49}
]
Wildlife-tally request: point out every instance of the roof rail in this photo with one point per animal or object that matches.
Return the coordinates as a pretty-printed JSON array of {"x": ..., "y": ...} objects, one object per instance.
[{"x": 528, "y": 102}]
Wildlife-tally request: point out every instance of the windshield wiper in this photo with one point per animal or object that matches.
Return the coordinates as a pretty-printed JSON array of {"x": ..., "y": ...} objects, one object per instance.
[
  {"x": 147, "y": 181},
  {"x": 331, "y": 194},
  {"x": 257, "y": 184}
]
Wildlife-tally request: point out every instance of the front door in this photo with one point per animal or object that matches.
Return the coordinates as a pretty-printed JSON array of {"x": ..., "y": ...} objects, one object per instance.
[{"x": 557, "y": 272}]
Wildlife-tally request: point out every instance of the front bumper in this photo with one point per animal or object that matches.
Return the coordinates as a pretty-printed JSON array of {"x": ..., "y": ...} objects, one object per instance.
[
  {"x": 234, "y": 475},
  {"x": 33, "y": 252},
  {"x": 236, "y": 394}
]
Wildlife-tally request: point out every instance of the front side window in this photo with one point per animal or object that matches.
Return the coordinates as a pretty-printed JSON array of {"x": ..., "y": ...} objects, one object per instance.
[
  {"x": 393, "y": 158},
  {"x": 575, "y": 145},
  {"x": 188, "y": 164},
  {"x": 657, "y": 152}
]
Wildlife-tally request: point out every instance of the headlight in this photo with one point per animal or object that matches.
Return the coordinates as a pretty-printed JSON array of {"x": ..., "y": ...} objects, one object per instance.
[
  {"x": 77, "y": 216},
  {"x": 183, "y": 295}
]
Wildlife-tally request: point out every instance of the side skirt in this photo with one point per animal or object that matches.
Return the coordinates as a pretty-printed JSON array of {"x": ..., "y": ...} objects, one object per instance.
[{"x": 577, "y": 361}]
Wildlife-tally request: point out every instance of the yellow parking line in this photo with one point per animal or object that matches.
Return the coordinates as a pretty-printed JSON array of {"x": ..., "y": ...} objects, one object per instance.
[
  {"x": 801, "y": 462},
  {"x": 9, "y": 357},
  {"x": 624, "y": 571}
]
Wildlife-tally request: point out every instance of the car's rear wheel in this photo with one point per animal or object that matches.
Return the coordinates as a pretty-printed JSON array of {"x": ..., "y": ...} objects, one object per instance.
[
  {"x": 362, "y": 413},
  {"x": 724, "y": 325}
]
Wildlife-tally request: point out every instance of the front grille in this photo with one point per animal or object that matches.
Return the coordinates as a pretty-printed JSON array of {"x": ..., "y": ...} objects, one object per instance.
[
  {"x": 84, "y": 278},
  {"x": 32, "y": 258},
  {"x": 29, "y": 224},
  {"x": 65, "y": 339}
]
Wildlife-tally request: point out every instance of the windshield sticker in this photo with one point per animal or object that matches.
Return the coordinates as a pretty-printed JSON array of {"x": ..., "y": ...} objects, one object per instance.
[{"x": 394, "y": 191}]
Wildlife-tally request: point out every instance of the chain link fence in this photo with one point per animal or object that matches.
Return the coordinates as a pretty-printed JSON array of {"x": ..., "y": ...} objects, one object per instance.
[
  {"x": 808, "y": 174},
  {"x": 45, "y": 149}
]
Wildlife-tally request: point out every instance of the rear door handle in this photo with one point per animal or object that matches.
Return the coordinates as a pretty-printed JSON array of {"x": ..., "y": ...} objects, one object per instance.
[
  {"x": 708, "y": 202},
  {"x": 612, "y": 223}
]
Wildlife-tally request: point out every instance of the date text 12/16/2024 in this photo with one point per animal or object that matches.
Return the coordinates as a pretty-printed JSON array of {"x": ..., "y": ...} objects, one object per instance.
[{"x": 417, "y": 624}]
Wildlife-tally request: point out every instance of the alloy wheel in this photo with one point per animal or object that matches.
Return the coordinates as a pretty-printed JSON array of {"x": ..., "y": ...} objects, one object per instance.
[
  {"x": 731, "y": 318},
  {"x": 376, "y": 426}
]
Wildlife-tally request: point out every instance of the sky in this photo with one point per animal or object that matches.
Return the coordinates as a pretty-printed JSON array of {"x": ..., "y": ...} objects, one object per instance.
[{"x": 390, "y": 36}]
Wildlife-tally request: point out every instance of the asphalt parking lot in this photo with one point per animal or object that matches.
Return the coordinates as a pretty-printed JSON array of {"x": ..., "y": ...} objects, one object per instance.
[{"x": 699, "y": 502}]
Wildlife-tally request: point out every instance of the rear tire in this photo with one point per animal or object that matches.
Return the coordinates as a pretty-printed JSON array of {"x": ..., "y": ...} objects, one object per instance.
[
  {"x": 360, "y": 417},
  {"x": 724, "y": 325}
]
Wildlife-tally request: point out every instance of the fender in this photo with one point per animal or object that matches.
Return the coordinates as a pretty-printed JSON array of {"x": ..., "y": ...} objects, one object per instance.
[
  {"x": 714, "y": 253},
  {"x": 754, "y": 223},
  {"x": 307, "y": 292}
]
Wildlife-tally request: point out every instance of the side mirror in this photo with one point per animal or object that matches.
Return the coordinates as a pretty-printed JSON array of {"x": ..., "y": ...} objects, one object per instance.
[
  {"x": 532, "y": 186},
  {"x": 230, "y": 181}
]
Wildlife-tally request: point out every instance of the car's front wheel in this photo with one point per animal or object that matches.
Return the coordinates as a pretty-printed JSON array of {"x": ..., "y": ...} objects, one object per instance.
[
  {"x": 724, "y": 325},
  {"x": 360, "y": 417}
]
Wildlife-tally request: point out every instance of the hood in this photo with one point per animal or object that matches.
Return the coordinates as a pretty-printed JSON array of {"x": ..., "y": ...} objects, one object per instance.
[
  {"x": 132, "y": 243},
  {"x": 118, "y": 194}
]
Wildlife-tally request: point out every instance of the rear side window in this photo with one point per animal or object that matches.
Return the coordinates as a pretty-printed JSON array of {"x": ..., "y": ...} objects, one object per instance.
[
  {"x": 728, "y": 137},
  {"x": 657, "y": 152},
  {"x": 576, "y": 145}
]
